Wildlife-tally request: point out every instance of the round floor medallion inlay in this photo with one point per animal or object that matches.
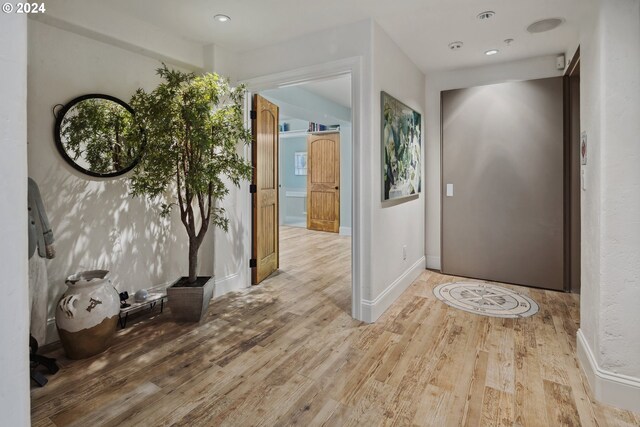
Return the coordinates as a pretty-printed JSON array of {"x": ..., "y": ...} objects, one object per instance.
[{"x": 486, "y": 299}]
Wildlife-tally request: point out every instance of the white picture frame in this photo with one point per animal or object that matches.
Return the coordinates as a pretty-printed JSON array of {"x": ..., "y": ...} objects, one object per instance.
[{"x": 300, "y": 163}]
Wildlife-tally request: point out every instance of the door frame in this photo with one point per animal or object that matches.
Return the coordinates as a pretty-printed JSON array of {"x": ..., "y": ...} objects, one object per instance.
[
  {"x": 571, "y": 183},
  {"x": 349, "y": 66}
]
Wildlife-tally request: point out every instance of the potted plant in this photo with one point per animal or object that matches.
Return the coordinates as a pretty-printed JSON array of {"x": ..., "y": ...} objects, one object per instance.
[{"x": 192, "y": 127}]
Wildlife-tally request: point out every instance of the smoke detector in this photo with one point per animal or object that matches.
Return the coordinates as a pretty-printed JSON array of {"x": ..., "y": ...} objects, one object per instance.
[
  {"x": 545, "y": 25},
  {"x": 487, "y": 14},
  {"x": 455, "y": 45}
]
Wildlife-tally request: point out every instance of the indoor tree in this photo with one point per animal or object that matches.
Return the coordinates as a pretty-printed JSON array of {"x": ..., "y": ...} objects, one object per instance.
[{"x": 192, "y": 125}]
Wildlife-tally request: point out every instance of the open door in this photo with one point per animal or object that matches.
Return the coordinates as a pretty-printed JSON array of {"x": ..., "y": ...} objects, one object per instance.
[
  {"x": 264, "y": 188},
  {"x": 323, "y": 182}
]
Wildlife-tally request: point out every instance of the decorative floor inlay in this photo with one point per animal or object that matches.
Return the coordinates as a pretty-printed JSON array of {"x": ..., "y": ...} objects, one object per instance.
[{"x": 486, "y": 299}]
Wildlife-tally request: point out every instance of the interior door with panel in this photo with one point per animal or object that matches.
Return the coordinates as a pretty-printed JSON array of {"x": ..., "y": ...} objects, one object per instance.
[
  {"x": 502, "y": 178},
  {"x": 323, "y": 182},
  {"x": 264, "y": 188}
]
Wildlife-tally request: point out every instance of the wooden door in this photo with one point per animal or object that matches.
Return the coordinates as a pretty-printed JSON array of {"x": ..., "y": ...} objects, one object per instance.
[
  {"x": 323, "y": 182},
  {"x": 265, "y": 256}
]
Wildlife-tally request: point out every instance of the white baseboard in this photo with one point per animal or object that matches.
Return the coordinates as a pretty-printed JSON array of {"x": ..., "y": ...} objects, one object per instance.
[
  {"x": 230, "y": 283},
  {"x": 372, "y": 310},
  {"x": 345, "y": 231},
  {"x": 433, "y": 262},
  {"x": 608, "y": 387},
  {"x": 288, "y": 220}
]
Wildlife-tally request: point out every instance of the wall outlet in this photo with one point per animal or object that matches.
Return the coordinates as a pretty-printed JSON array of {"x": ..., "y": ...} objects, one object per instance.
[{"x": 404, "y": 252}]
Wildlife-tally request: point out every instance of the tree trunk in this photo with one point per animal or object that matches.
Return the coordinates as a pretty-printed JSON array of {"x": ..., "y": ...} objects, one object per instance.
[{"x": 193, "y": 259}]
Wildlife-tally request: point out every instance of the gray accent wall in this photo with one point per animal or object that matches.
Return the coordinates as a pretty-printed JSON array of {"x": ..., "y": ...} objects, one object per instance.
[{"x": 502, "y": 152}]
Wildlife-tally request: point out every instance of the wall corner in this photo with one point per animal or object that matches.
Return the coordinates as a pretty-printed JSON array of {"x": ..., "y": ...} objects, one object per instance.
[{"x": 607, "y": 387}]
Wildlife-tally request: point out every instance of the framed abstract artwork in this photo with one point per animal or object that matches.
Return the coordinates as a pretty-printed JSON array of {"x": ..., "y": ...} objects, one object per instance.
[{"x": 401, "y": 149}]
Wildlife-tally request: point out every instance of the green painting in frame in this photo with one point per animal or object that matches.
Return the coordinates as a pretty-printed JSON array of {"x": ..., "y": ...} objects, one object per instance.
[{"x": 401, "y": 149}]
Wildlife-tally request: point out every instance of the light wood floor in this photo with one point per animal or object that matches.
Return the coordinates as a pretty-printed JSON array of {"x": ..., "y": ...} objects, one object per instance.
[{"x": 288, "y": 353}]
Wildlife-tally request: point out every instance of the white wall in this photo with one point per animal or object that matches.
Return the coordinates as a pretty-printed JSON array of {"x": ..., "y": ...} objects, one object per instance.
[
  {"x": 394, "y": 225},
  {"x": 95, "y": 19},
  {"x": 590, "y": 111},
  {"x": 14, "y": 311},
  {"x": 609, "y": 337},
  {"x": 347, "y": 41},
  {"x": 528, "y": 69},
  {"x": 95, "y": 222},
  {"x": 230, "y": 247},
  {"x": 219, "y": 60}
]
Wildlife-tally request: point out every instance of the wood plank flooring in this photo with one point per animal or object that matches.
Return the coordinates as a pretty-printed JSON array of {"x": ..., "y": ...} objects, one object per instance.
[{"x": 287, "y": 352}]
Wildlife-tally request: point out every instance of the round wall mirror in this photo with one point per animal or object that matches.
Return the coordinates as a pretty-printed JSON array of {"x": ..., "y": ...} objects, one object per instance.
[{"x": 97, "y": 135}]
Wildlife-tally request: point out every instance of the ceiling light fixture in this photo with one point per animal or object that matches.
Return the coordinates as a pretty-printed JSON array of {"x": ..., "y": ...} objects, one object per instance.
[
  {"x": 221, "y": 18},
  {"x": 487, "y": 14},
  {"x": 455, "y": 45},
  {"x": 545, "y": 25},
  {"x": 508, "y": 42},
  {"x": 491, "y": 52}
]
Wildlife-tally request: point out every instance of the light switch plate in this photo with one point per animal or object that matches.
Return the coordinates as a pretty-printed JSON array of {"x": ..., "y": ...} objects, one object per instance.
[{"x": 449, "y": 190}]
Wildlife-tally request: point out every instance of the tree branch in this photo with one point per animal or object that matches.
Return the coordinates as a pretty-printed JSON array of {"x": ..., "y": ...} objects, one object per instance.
[
  {"x": 209, "y": 201},
  {"x": 183, "y": 213},
  {"x": 201, "y": 206},
  {"x": 191, "y": 228}
]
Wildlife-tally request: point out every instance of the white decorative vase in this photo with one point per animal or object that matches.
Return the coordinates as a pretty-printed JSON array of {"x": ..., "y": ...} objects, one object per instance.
[{"x": 87, "y": 314}]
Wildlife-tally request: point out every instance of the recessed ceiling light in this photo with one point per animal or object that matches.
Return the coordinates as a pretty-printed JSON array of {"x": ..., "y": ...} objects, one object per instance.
[
  {"x": 491, "y": 52},
  {"x": 545, "y": 25},
  {"x": 455, "y": 45},
  {"x": 508, "y": 42},
  {"x": 487, "y": 14},
  {"x": 221, "y": 18}
]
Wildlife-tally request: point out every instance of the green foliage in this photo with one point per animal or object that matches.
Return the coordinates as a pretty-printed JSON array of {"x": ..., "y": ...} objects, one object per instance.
[
  {"x": 192, "y": 126},
  {"x": 100, "y": 133},
  {"x": 401, "y": 135}
]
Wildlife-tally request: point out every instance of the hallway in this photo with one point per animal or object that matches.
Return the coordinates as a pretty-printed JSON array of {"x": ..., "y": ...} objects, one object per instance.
[{"x": 288, "y": 353}]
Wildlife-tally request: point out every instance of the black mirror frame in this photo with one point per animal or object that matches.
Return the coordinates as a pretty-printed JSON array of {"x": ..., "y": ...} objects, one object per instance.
[{"x": 58, "y": 127}]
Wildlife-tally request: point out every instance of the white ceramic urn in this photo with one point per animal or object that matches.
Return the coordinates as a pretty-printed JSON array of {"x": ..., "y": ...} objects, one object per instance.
[{"x": 87, "y": 314}]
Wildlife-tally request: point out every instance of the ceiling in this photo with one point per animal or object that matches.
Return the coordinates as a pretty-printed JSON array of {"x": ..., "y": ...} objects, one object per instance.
[
  {"x": 422, "y": 28},
  {"x": 337, "y": 90},
  {"x": 294, "y": 105}
]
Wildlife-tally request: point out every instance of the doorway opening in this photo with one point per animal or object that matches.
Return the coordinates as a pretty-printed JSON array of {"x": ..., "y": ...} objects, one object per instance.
[{"x": 303, "y": 137}]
